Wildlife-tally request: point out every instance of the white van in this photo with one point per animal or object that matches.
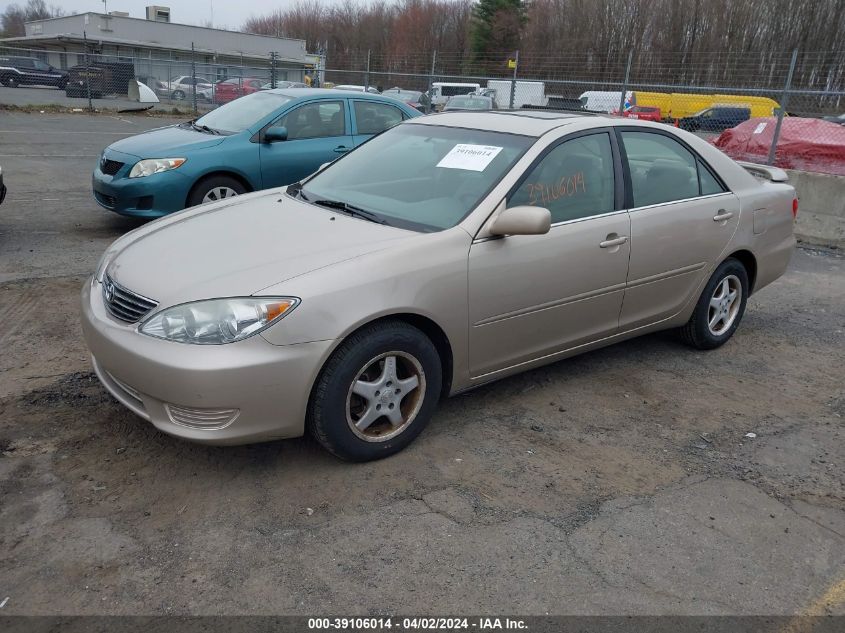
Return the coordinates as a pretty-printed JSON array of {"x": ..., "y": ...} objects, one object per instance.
[
  {"x": 441, "y": 91},
  {"x": 601, "y": 101},
  {"x": 526, "y": 93}
]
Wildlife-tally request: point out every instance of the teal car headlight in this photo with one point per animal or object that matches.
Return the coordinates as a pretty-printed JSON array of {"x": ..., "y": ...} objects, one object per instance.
[
  {"x": 150, "y": 166},
  {"x": 217, "y": 321}
]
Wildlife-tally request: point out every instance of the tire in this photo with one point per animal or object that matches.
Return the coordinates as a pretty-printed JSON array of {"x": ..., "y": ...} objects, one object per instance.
[
  {"x": 714, "y": 302},
  {"x": 207, "y": 186},
  {"x": 178, "y": 95},
  {"x": 363, "y": 359},
  {"x": 62, "y": 84},
  {"x": 11, "y": 81}
]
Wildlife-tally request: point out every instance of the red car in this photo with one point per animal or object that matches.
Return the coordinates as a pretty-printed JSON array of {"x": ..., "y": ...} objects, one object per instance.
[
  {"x": 643, "y": 113},
  {"x": 234, "y": 87}
]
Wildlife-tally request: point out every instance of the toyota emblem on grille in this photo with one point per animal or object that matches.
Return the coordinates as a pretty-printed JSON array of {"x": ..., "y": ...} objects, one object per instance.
[{"x": 109, "y": 291}]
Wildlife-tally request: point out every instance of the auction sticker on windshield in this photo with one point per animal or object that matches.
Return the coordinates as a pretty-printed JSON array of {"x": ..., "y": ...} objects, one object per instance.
[{"x": 471, "y": 157}]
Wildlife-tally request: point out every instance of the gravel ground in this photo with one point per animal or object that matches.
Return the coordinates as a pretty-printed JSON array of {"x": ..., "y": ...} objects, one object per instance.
[{"x": 621, "y": 481}]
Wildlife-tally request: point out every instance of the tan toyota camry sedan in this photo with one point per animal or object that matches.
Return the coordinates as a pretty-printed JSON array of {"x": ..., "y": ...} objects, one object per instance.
[{"x": 450, "y": 251}]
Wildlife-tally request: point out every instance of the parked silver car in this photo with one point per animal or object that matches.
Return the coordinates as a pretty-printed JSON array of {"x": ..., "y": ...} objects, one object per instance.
[{"x": 450, "y": 251}]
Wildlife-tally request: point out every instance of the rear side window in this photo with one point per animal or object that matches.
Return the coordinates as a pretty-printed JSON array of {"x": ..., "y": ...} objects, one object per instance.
[
  {"x": 573, "y": 181},
  {"x": 662, "y": 170},
  {"x": 373, "y": 117},
  {"x": 709, "y": 184}
]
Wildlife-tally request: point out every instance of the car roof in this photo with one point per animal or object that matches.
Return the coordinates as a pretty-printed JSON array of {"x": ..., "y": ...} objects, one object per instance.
[
  {"x": 325, "y": 92},
  {"x": 527, "y": 122}
]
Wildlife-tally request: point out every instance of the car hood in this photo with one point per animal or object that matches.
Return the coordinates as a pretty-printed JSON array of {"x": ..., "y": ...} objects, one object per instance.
[
  {"x": 165, "y": 142},
  {"x": 239, "y": 248}
]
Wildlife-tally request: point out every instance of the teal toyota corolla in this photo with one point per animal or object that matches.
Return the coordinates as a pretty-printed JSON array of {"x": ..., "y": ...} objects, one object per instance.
[{"x": 266, "y": 139}]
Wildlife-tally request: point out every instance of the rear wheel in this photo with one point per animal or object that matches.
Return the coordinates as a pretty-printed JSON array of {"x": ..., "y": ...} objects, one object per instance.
[
  {"x": 178, "y": 95},
  {"x": 11, "y": 81},
  {"x": 376, "y": 393},
  {"x": 214, "y": 189},
  {"x": 720, "y": 307}
]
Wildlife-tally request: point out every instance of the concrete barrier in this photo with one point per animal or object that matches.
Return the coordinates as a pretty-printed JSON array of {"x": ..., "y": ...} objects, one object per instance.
[{"x": 821, "y": 208}]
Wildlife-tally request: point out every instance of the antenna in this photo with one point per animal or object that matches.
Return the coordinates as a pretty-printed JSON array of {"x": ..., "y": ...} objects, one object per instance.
[{"x": 106, "y": 6}]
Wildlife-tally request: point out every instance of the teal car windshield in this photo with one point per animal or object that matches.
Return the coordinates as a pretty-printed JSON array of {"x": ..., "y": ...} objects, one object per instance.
[
  {"x": 238, "y": 115},
  {"x": 395, "y": 177}
]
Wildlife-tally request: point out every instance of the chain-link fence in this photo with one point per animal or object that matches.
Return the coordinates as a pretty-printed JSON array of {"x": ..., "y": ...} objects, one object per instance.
[
  {"x": 784, "y": 108},
  {"x": 91, "y": 79}
]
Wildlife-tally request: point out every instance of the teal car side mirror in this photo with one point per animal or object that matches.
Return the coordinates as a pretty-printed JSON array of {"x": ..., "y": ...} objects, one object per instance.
[{"x": 275, "y": 134}]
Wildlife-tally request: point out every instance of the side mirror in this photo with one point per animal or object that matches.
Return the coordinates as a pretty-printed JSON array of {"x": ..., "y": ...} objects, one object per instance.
[
  {"x": 524, "y": 220},
  {"x": 275, "y": 134}
]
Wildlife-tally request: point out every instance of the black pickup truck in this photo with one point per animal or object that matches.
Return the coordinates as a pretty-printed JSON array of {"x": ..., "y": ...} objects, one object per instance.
[{"x": 28, "y": 71}]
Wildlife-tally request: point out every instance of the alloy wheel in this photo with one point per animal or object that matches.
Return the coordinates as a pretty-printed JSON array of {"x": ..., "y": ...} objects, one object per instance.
[
  {"x": 219, "y": 193},
  {"x": 724, "y": 305},
  {"x": 385, "y": 396}
]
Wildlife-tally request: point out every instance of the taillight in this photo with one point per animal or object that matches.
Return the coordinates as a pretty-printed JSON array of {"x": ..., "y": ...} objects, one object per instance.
[{"x": 794, "y": 207}]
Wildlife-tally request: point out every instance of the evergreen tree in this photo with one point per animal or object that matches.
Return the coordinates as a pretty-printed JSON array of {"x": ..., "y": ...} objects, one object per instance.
[{"x": 496, "y": 26}]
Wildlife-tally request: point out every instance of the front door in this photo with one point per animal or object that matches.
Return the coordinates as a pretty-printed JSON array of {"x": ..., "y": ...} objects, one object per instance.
[
  {"x": 682, "y": 219},
  {"x": 318, "y": 132},
  {"x": 534, "y": 295}
]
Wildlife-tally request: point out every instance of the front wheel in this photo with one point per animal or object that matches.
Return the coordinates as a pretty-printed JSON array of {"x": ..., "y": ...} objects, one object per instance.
[
  {"x": 720, "y": 307},
  {"x": 214, "y": 189},
  {"x": 376, "y": 393}
]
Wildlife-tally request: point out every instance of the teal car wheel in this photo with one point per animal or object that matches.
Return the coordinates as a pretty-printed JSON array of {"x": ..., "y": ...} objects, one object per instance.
[{"x": 215, "y": 188}]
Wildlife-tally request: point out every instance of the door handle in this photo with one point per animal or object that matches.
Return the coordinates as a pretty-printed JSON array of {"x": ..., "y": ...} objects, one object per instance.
[
  {"x": 722, "y": 216},
  {"x": 340, "y": 149},
  {"x": 610, "y": 243}
]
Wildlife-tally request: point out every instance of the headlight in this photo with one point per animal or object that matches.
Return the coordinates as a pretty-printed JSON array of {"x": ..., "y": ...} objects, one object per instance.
[
  {"x": 150, "y": 166},
  {"x": 217, "y": 321}
]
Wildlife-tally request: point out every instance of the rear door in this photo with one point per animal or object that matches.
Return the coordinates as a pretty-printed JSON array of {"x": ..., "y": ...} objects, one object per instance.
[
  {"x": 682, "y": 219},
  {"x": 318, "y": 132},
  {"x": 373, "y": 117}
]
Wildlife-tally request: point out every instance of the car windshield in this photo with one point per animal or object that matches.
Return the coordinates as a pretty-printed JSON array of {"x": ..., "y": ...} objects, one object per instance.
[
  {"x": 468, "y": 103},
  {"x": 419, "y": 177},
  {"x": 238, "y": 115}
]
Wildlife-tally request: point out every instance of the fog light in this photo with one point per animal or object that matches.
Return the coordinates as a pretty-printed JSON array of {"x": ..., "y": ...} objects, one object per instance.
[{"x": 207, "y": 419}]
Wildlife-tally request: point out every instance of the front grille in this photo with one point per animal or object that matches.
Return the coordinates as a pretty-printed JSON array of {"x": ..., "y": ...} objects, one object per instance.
[
  {"x": 209, "y": 419},
  {"x": 110, "y": 167},
  {"x": 108, "y": 201},
  {"x": 124, "y": 304}
]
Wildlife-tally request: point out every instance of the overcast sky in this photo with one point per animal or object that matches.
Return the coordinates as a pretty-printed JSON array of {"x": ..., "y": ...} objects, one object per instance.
[{"x": 229, "y": 14}]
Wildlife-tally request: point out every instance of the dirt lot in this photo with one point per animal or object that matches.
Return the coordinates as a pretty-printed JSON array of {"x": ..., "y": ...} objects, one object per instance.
[{"x": 617, "y": 482}]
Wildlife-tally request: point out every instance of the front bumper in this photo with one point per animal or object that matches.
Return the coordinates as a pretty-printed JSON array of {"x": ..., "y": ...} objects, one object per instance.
[
  {"x": 150, "y": 197},
  {"x": 267, "y": 384}
]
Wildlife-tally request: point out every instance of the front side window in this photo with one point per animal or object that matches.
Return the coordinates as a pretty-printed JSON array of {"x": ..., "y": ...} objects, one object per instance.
[
  {"x": 420, "y": 177},
  {"x": 573, "y": 181},
  {"x": 315, "y": 120},
  {"x": 373, "y": 117},
  {"x": 662, "y": 170}
]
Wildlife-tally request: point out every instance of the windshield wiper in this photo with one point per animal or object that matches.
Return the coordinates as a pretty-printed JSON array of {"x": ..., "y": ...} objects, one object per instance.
[
  {"x": 351, "y": 210},
  {"x": 204, "y": 128}
]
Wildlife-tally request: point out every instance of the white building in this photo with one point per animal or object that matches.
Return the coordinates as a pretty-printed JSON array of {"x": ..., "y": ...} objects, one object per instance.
[{"x": 161, "y": 49}]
